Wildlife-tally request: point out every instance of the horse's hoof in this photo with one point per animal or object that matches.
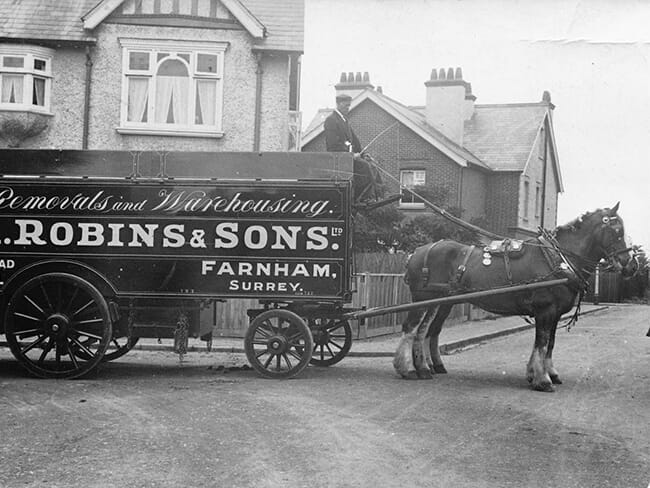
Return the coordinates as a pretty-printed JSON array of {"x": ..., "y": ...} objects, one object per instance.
[
  {"x": 544, "y": 387},
  {"x": 424, "y": 374},
  {"x": 410, "y": 375},
  {"x": 439, "y": 369},
  {"x": 529, "y": 377},
  {"x": 555, "y": 379}
]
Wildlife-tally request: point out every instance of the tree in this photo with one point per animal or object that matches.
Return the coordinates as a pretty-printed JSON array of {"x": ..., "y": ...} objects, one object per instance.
[{"x": 389, "y": 229}]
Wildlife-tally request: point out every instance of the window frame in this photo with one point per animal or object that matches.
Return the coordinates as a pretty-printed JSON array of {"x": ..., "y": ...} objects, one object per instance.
[
  {"x": 175, "y": 49},
  {"x": 29, "y": 54},
  {"x": 417, "y": 182}
]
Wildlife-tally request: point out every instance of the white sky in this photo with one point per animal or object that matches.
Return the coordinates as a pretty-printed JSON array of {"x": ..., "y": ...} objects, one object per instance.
[{"x": 592, "y": 56}]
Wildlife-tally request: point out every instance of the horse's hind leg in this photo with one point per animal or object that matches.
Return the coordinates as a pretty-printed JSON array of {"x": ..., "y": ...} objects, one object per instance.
[
  {"x": 431, "y": 344},
  {"x": 536, "y": 373},
  {"x": 403, "y": 360}
]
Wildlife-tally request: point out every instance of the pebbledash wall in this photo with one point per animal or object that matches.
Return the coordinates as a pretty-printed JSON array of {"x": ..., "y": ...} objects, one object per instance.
[{"x": 239, "y": 91}]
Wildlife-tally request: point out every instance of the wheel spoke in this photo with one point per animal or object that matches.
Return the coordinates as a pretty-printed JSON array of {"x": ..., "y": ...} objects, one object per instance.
[
  {"x": 31, "y": 346},
  {"x": 82, "y": 346},
  {"x": 286, "y": 360},
  {"x": 278, "y": 362},
  {"x": 89, "y": 321},
  {"x": 34, "y": 304},
  {"x": 45, "y": 352},
  {"x": 268, "y": 361},
  {"x": 46, "y": 296},
  {"x": 83, "y": 308},
  {"x": 332, "y": 343},
  {"x": 72, "y": 299},
  {"x": 295, "y": 354},
  {"x": 88, "y": 334},
  {"x": 75, "y": 364},
  {"x": 25, "y": 316}
]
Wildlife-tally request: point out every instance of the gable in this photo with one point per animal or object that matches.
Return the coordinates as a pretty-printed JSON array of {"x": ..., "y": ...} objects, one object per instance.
[{"x": 274, "y": 26}]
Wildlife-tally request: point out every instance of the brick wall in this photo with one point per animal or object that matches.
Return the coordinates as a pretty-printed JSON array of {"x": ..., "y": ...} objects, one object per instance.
[{"x": 398, "y": 148}]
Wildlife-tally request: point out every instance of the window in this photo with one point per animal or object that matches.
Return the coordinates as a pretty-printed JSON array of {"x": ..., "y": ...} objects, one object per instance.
[
  {"x": 538, "y": 200},
  {"x": 526, "y": 198},
  {"x": 25, "y": 78},
  {"x": 172, "y": 87},
  {"x": 410, "y": 178}
]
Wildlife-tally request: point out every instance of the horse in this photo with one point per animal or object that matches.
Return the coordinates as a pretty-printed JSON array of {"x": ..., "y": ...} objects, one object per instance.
[{"x": 447, "y": 267}]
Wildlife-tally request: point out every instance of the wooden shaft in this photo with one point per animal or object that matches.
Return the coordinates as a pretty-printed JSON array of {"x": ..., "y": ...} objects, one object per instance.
[{"x": 462, "y": 297}]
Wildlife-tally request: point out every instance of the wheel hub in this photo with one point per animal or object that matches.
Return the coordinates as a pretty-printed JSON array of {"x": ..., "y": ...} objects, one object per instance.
[
  {"x": 57, "y": 324},
  {"x": 277, "y": 344}
]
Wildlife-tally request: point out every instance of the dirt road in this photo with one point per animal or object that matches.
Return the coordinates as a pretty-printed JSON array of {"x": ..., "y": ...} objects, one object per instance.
[{"x": 148, "y": 421}]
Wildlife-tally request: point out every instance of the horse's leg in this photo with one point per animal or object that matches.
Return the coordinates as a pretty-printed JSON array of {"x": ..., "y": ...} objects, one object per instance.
[
  {"x": 548, "y": 361},
  {"x": 545, "y": 321},
  {"x": 435, "y": 361},
  {"x": 420, "y": 345},
  {"x": 403, "y": 360}
]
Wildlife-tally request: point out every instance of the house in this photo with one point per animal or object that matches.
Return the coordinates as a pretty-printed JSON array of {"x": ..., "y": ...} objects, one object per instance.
[
  {"x": 496, "y": 162},
  {"x": 202, "y": 75}
]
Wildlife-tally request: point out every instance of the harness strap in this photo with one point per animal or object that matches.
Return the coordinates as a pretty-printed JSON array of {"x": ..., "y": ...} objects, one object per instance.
[
  {"x": 460, "y": 271},
  {"x": 425, "y": 269}
]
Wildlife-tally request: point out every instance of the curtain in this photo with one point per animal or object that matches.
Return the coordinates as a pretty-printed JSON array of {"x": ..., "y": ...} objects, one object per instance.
[
  {"x": 206, "y": 98},
  {"x": 138, "y": 96},
  {"x": 12, "y": 88},
  {"x": 172, "y": 98},
  {"x": 38, "y": 97}
]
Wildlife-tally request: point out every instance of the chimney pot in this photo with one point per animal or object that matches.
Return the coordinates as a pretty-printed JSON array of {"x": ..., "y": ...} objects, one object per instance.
[
  {"x": 450, "y": 74},
  {"x": 442, "y": 75},
  {"x": 459, "y": 74},
  {"x": 546, "y": 97},
  {"x": 350, "y": 77},
  {"x": 358, "y": 79},
  {"x": 380, "y": 89},
  {"x": 434, "y": 74},
  {"x": 344, "y": 78}
]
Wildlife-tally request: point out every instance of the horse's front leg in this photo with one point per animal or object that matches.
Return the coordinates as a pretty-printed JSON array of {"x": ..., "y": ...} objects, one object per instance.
[
  {"x": 548, "y": 361},
  {"x": 536, "y": 372},
  {"x": 403, "y": 362},
  {"x": 421, "y": 352}
]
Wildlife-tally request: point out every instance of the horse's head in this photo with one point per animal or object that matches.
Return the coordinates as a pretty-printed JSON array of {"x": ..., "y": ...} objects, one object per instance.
[{"x": 609, "y": 240}]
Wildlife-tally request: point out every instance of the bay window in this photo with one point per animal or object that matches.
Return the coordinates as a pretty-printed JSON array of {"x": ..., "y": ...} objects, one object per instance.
[
  {"x": 172, "y": 87},
  {"x": 25, "y": 78}
]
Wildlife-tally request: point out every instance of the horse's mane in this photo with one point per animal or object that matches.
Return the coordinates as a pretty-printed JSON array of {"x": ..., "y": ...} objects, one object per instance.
[{"x": 577, "y": 223}]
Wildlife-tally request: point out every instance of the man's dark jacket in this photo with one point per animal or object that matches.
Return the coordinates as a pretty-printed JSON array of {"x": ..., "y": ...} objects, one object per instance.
[{"x": 337, "y": 132}]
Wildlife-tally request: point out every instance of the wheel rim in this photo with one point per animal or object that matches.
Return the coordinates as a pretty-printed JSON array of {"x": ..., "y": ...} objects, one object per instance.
[
  {"x": 50, "y": 319},
  {"x": 332, "y": 340},
  {"x": 117, "y": 347},
  {"x": 278, "y": 344}
]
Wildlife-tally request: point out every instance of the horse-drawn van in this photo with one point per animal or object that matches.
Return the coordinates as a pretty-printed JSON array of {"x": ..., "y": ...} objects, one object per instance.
[{"x": 98, "y": 249}]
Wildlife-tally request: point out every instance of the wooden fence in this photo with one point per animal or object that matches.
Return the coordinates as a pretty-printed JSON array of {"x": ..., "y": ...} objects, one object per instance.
[{"x": 229, "y": 318}]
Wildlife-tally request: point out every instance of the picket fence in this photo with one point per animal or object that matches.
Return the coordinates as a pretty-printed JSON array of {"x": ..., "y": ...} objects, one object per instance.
[{"x": 229, "y": 318}]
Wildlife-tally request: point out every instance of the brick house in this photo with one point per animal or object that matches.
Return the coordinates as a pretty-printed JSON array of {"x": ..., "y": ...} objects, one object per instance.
[
  {"x": 202, "y": 75},
  {"x": 498, "y": 161}
]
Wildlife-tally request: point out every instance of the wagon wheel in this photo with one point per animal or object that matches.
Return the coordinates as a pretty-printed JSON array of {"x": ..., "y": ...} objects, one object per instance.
[
  {"x": 118, "y": 347},
  {"x": 50, "y": 318},
  {"x": 332, "y": 340},
  {"x": 278, "y": 344}
]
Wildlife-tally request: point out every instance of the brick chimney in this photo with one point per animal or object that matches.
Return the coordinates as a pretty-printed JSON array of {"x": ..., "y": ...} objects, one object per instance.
[
  {"x": 450, "y": 102},
  {"x": 352, "y": 84}
]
